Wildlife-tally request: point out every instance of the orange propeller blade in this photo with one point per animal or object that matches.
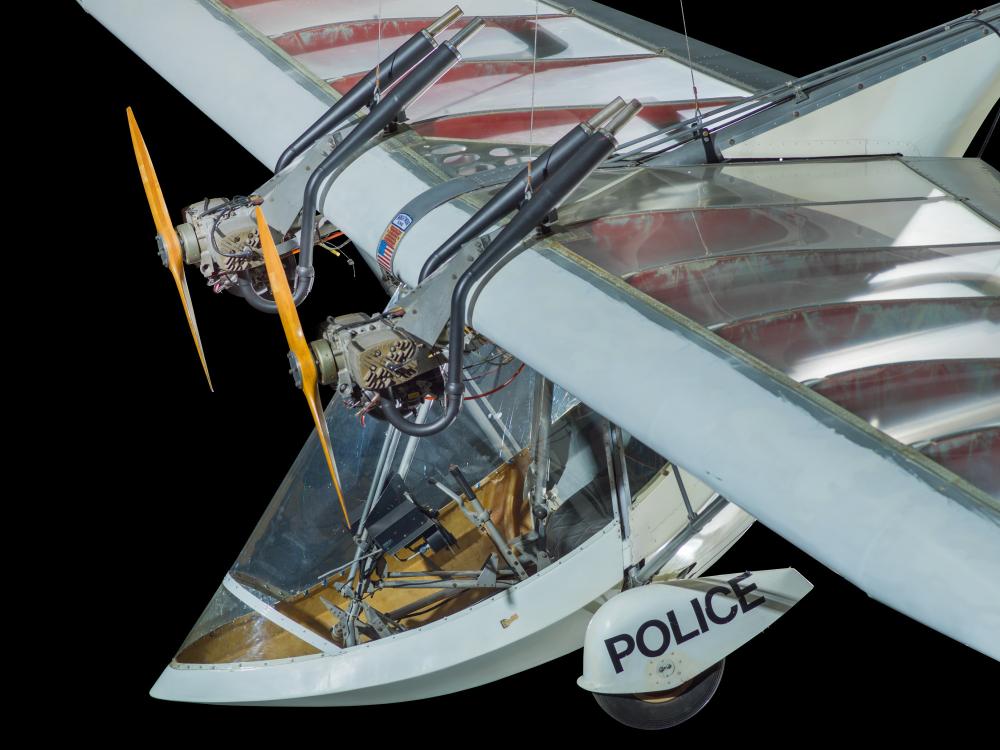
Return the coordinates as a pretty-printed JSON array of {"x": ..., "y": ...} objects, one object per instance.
[
  {"x": 168, "y": 235},
  {"x": 299, "y": 347}
]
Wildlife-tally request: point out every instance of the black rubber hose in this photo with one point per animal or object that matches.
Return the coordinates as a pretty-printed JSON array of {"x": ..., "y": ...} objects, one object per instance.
[
  {"x": 401, "y": 423},
  {"x": 301, "y": 291},
  {"x": 552, "y": 192}
]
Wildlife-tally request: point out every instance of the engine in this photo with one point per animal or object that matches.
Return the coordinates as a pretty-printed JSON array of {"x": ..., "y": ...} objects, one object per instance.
[
  {"x": 368, "y": 357},
  {"x": 220, "y": 236}
]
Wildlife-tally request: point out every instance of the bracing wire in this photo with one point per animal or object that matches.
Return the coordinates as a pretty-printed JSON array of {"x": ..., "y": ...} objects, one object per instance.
[
  {"x": 989, "y": 135},
  {"x": 378, "y": 56},
  {"x": 531, "y": 121},
  {"x": 694, "y": 87}
]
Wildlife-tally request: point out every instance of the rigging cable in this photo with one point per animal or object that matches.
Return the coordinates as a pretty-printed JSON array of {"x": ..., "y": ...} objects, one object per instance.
[
  {"x": 972, "y": 19},
  {"x": 996, "y": 117},
  {"x": 694, "y": 88},
  {"x": 531, "y": 118},
  {"x": 986, "y": 140},
  {"x": 377, "y": 94}
]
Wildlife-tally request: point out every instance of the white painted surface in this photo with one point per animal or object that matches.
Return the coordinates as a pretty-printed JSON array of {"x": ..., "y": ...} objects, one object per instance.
[
  {"x": 460, "y": 651},
  {"x": 264, "y": 609},
  {"x": 684, "y": 627},
  {"x": 457, "y": 652},
  {"x": 933, "y": 109},
  {"x": 658, "y": 513},
  {"x": 216, "y": 68}
]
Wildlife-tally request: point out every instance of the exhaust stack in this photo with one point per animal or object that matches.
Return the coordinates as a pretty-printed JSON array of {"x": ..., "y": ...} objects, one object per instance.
[{"x": 362, "y": 94}]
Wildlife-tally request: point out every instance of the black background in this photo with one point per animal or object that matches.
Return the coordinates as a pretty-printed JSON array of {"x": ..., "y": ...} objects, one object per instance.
[{"x": 170, "y": 479}]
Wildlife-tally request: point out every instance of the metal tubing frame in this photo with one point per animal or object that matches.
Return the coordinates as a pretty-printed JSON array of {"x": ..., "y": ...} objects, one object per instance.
[
  {"x": 443, "y": 574},
  {"x": 654, "y": 562},
  {"x": 444, "y": 585},
  {"x": 483, "y": 520},
  {"x": 692, "y": 516},
  {"x": 797, "y": 96},
  {"x": 541, "y": 431},
  {"x": 486, "y": 416}
]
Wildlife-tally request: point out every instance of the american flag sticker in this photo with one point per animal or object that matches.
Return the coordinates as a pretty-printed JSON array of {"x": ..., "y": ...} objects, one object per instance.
[{"x": 390, "y": 240}]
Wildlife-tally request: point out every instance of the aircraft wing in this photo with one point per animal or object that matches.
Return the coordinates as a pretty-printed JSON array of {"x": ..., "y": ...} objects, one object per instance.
[
  {"x": 818, "y": 340},
  {"x": 300, "y": 55}
]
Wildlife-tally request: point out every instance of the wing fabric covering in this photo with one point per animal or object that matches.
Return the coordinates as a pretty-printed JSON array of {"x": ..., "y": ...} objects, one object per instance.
[
  {"x": 487, "y": 96},
  {"x": 884, "y": 516},
  {"x": 860, "y": 278}
]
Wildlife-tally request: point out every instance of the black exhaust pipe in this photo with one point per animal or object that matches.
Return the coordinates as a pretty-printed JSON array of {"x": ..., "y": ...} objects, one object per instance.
[
  {"x": 512, "y": 194},
  {"x": 362, "y": 94}
]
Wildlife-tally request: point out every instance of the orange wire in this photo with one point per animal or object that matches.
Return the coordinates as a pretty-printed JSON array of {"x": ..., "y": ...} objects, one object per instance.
[
  {"x": 331, "y": 236},
  {"x": 499, "y": 387}
]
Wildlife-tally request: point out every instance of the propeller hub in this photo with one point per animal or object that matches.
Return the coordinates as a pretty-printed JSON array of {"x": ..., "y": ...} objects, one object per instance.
[
  {"x": 161, "y": 250},
  {"x": 295, "y": 369}
]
